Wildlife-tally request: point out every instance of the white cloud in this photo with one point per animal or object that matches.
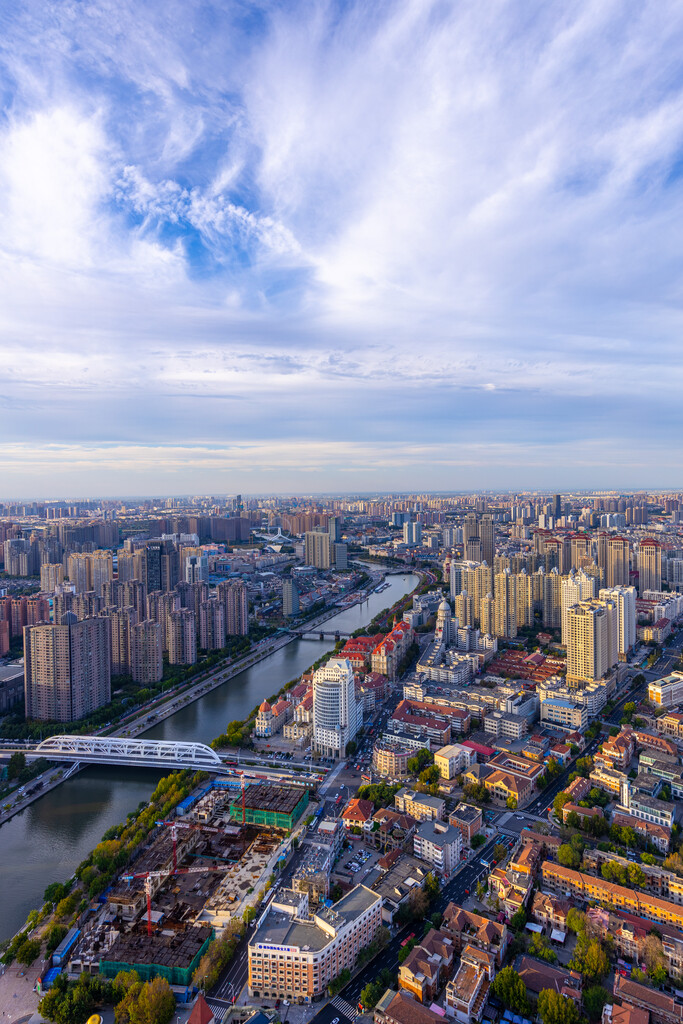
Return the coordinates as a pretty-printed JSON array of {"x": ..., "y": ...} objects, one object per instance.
[{"x": 369, "y": 206}]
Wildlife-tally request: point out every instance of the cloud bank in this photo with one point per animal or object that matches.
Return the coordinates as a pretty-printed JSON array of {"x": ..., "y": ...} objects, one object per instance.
[{"x": 253, "y": 246}]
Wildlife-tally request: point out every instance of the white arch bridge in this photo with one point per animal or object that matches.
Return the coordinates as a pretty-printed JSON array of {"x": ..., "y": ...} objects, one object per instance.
[{"x": 137, "y": 753}]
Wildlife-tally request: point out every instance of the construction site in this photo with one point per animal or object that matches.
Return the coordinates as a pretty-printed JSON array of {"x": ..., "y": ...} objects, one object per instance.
[{"x": 194, "y": 874}]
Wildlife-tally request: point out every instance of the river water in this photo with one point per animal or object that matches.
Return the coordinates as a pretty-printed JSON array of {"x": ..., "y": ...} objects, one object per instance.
[{"x": 47, "y": 841}]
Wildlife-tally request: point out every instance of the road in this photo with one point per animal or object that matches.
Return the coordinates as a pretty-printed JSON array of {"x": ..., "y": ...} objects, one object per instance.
[{"x": 454, "y": 890}]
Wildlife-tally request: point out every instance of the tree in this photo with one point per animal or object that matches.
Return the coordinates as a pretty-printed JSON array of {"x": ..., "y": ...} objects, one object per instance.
[
  {"x": 518, "y": 920},
  {"x": 558, "y": 803},
  {"x": 351, "y": 748},
  {"x": 499, "y": 851},
  {"x": 420, "y": 761},
  {"x": 540, "y": 947},
  {"x": 594, "y": 998},
  {"x": 584, "y": 766},
  {"x": 511, "y": 990},
  {"x": 511, "y": 802},
  {"x": 155, "y": 1003},
  {"x": 568, "y": 857},
  {"x": 590, "y": 959},
  {"x": 431, "y": 887},
  {"x": 636, "y": 875},
  {"x": 477, "y": 840},
  {"x": 573, "y": 820},
  {"x": 54, "y": 936},
  {"x": 430, "y": 776},
  {"x": 651, "y": 952},
  {"x": 28, "y": 951},
  {"x": 556, "y": 1009},
  {"x": 17, "y": 763}
]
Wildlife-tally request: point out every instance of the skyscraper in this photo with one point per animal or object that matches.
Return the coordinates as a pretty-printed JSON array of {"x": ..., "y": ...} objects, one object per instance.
[
  {"x": 212, "y": 625},
  {"x": 575, "y": 587},
  {"x": 649, "y": 565},
  {"x": 234, "y": 598},
  {"x": 487, "y": 535},
  {"x": 624, "y": 598},
  {"x": 552, "y": 599},
  {"x": 147, "y": 662},
  {"x": 121, "y": 620},
  {"x": 317, "y": 549},
  {"x": 557, "y": 507},
  {"x": 182, "y": 638},
  {"x": 592, "y": 641},
  {"x": 102, "y": 570},
  {"x": 336, "y": 715},
  {"x": 66, "y": 668},
  {"x": 290, "y": 598},
  {"x": 618, "y": 562},
  {"x": 505, "y": 596},
  {"x": 197, "y": 569}
]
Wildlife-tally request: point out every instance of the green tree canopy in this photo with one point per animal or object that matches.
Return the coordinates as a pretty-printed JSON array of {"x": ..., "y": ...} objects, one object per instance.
[
  {"x": 556, "y": 1009},
  {"x": 511, "y": 990}
]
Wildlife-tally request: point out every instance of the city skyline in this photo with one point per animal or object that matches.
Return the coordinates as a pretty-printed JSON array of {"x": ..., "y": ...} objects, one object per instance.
[{"x": 265, "y": 246}]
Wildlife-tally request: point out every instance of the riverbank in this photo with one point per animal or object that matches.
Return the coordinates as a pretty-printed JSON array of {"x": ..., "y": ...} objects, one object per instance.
[
  {"x": 170, "y": 704},
  {"x": 51, "y": 837}
]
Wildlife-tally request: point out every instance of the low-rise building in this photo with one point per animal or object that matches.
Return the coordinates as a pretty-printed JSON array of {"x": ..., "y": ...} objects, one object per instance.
[
  {"x": 390, "y": 758},
  {"x": 468, "y": 819},
  {"x": 505, "y": 725},
  {"x": 357, "y": 813},
  {"x": 538, "y": 976},
  {"x": 292, "y": 957},
  {"x": 467, "y": 993},
  {"x": 420, "y": 806},
  {"x": 576, "y": 884},
  {"x": 453, "y": 758},
  {"x": 503, "y": 786},
  {"x": 659, "y": 836},
  {"x": 439, "y": 844},
  {"x": 608, "y": 779},
  {"x": 550, "y": 910},
  {"x": 467, "y": 928},
  {"x": 403, "y": 1008},
  {"x": 390, "y": 830},
  {"x": 564, "y": 713},
  {"x": 663, "y": 1008},
  {"x": 427, "y": 966}
]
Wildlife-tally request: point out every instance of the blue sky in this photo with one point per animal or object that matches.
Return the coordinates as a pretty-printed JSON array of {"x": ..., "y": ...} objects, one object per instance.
[{"x": 338, "y": 246}]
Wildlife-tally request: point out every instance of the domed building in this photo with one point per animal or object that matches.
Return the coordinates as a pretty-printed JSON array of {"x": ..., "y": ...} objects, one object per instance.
[{"x": 444, "y": 623}]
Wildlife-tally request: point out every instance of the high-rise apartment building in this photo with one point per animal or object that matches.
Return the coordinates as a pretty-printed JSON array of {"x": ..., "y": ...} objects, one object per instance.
[
  {"x": 412, "y": 534},
  {"x": 336, "y": 715},
  {"x": 197, "y": 569},
  {"x": 51, "y": 575},
  {"x": 159, "y": 608},
  {"x": 525, "y": 599},
  {"x": 182, "y": 637},
  {"x": 234, "y": 598},
  {"x": 552, "y": 599},
  {"x": 317, "y": 549},
  {"x": 121, "y": 621},
  {"x": 131, "y": 565},
  {"x": 505, "y": 596},
  {"x": 592, "y": 641},
  {"x": 102, "y": 570},
  {"x": 581, "y": 549},
  {"x": 146, "y": 648},
  {"x": 624, "y": 598},
  {"x": 557, "y": 507},
  {"x": 575, "y": 587},
  {"x": 618, "y": 562},
  {"x": 66, "y": 668},
  {"x": 79, "y": 569},
  {"x": 487, "y": 536},
  {"x": 464, "y": 609},
  {"x": 649, "y": 565},
  {"x": 290, "y": 598},
  {"x": 487, "y": 614},
  {"x": 212, "y": 625}
]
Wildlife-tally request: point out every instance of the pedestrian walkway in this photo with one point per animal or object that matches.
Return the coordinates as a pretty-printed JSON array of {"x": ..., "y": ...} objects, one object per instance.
[
  {"x": 341, "y": 1004},
  {"x": 219, "y": 1009}
]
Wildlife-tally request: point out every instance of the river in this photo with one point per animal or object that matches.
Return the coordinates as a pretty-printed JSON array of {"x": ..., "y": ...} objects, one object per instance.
[{"x": 47, "y": 841}]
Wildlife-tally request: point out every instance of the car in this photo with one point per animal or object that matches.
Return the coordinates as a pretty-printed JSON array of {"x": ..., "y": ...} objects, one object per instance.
[{"x": 467, "y": 892}]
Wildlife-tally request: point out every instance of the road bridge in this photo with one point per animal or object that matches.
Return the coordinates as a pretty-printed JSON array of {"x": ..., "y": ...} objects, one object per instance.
[
  {"x": 320, "y": 634},
  {"x": 136, "y": 753}
]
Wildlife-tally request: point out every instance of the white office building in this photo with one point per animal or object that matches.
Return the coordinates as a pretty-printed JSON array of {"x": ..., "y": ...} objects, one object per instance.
[
  {"x": 625, "y": 600},
  {"x": 336, "y": 715}
]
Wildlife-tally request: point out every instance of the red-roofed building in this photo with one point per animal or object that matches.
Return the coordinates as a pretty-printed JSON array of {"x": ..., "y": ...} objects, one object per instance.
[
  {"x": 357, "y": 812},
  {"x": 483, "y": 752},
  {"x": 389, "y": 653},
  {"x": 201, "y": 1012}
]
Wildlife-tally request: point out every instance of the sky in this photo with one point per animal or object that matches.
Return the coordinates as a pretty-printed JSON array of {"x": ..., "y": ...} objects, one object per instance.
[{"x": 328, "y": 246}]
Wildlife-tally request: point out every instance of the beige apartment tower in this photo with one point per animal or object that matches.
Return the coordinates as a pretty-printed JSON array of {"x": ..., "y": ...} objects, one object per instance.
[
  {"x": 182, "y": 637},
  {"x": 66, "y": 669},
  {"x": 147, "y": 661},
  {"x": 592, "y": 641},
  {"x": 212, "y": 625},
  {"x": 649, "y": 565}
]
